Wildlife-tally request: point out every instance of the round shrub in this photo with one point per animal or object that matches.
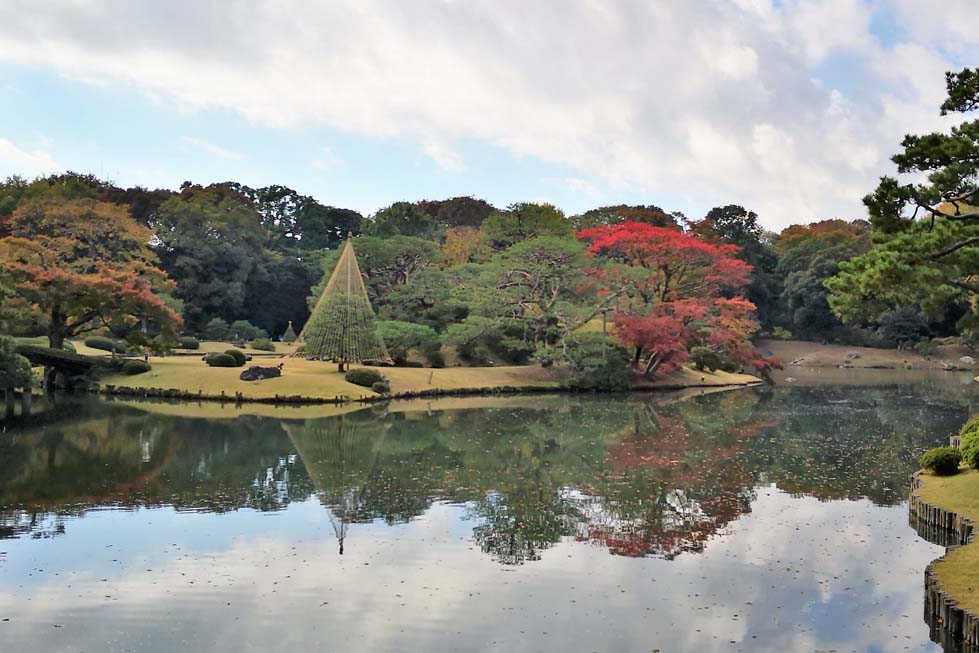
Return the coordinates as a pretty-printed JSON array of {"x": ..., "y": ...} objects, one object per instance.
[
  {"x": 943, "y": 461},
  {"x": 134, "y": 366},
  {"x": 969, "y": 441},
  {"x": 365, "y": 378},
  {"x": 222, "y": 360},
  {"x": 263, "y": 344},
  {"x": 105, "y": 344},
  {"x": 380, "y": 387},
  {"x": 189, "y": 342},
  {"x": 238, "y": 355}
]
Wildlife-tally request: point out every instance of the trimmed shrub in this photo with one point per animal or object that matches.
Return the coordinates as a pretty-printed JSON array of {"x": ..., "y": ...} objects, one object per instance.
[
  {"x": 290, "y": 334},
  {"x": 380, "y": 387},
  {"x": 238, "y": 355},
  {"x": 189, "y": 342},
  {"x": 365, "y": 378},
  {"x": 263, "y": 344},
  {"x": 222, "y": 360},
  {"x": 105, "y": 344},
  {"x": 781, "y": 333},
  {"x": 969, "y": 442},
  {"x": 134, "y": 366},
  {"x": 15, "y": 370},
  {"x": 435, "y": 358},
  {"x": 942, "y": 461},
  {"x": 926, "y": 348}
]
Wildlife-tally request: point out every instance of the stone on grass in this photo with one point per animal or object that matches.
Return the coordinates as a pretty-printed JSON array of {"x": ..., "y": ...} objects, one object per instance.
[{"x": 257, "y": 373}]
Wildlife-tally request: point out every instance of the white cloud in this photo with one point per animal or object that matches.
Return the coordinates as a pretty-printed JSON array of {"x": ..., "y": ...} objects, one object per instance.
[
  {"x": 444, "y": 157},
  {"x": 698, "y": 100},
  {"x": 211, "y": 148},
  {"x": 22, "y": 162},
  {"x": 328, "y": 160}
]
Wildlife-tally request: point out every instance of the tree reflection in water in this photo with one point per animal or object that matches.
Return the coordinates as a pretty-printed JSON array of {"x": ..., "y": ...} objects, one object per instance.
[{"x": 639, "y": 476}]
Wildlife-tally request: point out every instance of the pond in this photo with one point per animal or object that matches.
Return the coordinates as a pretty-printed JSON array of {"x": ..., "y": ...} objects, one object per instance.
[{"x": 762, "y": 519}]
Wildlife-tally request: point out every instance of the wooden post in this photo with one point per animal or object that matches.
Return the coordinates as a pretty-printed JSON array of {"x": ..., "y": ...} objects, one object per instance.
[
  {"x": 25, "y": 402},
  {"x": 8, "y": 400}
]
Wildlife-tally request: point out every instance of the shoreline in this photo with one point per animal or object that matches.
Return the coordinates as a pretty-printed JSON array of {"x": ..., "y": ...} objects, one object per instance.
[{"x": 948, "y": 620}]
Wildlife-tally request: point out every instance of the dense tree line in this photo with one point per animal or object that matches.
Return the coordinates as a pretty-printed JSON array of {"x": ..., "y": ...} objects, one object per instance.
[{"x": 513, "y": 284}]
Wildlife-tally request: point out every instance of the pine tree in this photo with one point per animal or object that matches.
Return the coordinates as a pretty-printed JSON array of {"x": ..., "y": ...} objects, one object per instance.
[
  {"x": 341, "y": 327},
  {"x": 290, "y": 334}
]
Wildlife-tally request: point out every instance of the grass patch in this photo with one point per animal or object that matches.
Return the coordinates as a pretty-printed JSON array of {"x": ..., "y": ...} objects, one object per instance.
[
  {"x": 321, "y": 380},
  {"x": 958, "y": 570}
]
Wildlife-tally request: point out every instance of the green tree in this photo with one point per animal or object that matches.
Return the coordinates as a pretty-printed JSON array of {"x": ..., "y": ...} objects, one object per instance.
[
  {"x": 210, "y": 242},
  {"x": 15, "y": 370},
  {"x": 403, "y": 219},
  {"x": 525, "y": 220},
  {"x": 216, "y": 329},
  {"x": 926, "y": 234},
  {"x": 401, "y": 337},
  {"x": 462, "y": 211}
]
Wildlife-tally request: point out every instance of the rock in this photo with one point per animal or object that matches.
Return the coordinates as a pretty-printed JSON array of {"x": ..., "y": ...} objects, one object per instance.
[
  {"x": 798, "y": 361},
  {"x": 257, "y": 373},
  {"x": 949, "y": 367},
  {"x": 967, "y": 360},
  {"x": 852, "y": 355}
]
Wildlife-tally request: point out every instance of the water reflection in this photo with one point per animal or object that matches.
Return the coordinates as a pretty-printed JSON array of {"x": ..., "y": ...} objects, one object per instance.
[{"x": 540, "y": 487}]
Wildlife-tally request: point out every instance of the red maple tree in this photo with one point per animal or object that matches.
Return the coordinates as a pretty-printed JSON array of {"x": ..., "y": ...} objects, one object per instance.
[{"x": 674, "y": 291}]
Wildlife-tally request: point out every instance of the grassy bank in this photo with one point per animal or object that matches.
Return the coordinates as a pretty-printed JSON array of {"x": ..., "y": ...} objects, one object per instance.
[
  {"x": 322, "y": 381},
  {"x": 958, "y": 570}
]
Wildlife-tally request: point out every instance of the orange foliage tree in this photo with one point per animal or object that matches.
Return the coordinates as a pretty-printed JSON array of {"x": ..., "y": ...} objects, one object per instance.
[
  {"x": 82, "y": 264},
  {"x": 674, "y": 291}
]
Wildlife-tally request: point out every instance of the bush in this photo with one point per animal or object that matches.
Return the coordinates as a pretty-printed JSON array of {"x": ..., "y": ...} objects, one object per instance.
[
  {"x": 926, "y": 348},
  {"x": 133, "y": 366},
  {"x": 363, "y": 377},
  {"x": 781, "y": 333},
  {"x": 222, "y": 360},
  {"x": 380, "y": 387},
  {"x": 904, "y": 325},
  {"x": 705, "y": 358},
  {"x": 400, "y": 337},
  {"x": 290, "y": 334},
  {"x": 435, "y": 358},
  {"x": 263, "y": 344},
  {"x": 943, "y": 461},
  {"x": 188, "y": 342},
  {"x": 105, "y": 344},
  {"x": 969, "y": 441},
  {"x": 595, "y": 363},
  {"x": 216, "y": 329},
  {"x": 238, "y": 355}
]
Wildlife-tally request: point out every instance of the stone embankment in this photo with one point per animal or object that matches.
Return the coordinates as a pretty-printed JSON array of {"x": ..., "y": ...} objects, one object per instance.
[{"x": 955, "y": 628}]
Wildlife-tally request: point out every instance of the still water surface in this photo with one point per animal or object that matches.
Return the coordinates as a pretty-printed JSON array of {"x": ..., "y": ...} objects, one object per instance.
[{"x": 753, "y": 520}]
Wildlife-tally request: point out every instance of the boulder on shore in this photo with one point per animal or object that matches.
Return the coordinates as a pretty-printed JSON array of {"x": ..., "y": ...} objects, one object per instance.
[
  {"x": 257, "y": 373},
  {"x": 967, "y": 360}
]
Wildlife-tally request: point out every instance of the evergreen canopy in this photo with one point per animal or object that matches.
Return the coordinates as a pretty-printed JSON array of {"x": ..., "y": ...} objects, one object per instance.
[{"x": 341, "y": 326}]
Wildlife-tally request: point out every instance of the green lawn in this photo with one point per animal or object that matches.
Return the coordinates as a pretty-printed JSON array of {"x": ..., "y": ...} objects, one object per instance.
[{"x": 959, "y": 570}]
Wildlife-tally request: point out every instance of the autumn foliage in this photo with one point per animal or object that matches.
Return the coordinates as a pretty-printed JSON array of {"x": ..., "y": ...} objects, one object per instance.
[
  {"x": 673, "y": 291},
  {"x": 81, "y": 264}
]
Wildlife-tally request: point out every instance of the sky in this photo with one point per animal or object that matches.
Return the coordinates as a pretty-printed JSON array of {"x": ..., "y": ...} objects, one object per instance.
[{"x": 791, "y": 108}]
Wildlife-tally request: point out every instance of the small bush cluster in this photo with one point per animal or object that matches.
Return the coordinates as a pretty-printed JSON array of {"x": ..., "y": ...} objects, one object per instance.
[
  {"x": 221, "y": 360},
  {"x": 189, "y": 342},
  {"x": 943, "y": 461},
  {"x": 105, "y": 344},
  {"x": 134, "y": 366},
  {"x": 263, "y": 344},
  {"x": 238, "y": 355},
  {"x": 381, "y": 387},
  {"x": 364, "y": 378}
]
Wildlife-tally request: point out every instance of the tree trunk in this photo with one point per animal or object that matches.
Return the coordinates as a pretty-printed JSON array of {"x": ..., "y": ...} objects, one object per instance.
[{"x": 58, "y": 330}]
